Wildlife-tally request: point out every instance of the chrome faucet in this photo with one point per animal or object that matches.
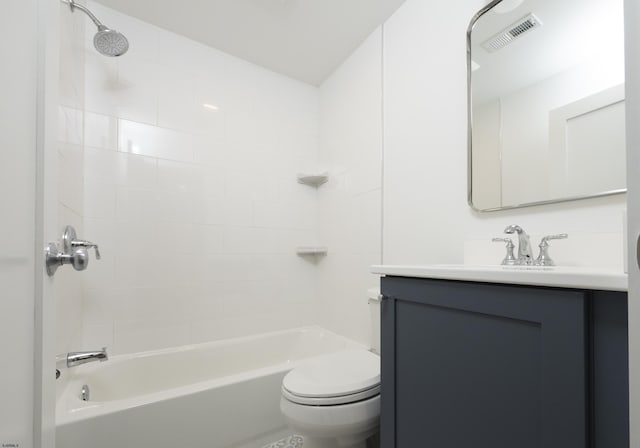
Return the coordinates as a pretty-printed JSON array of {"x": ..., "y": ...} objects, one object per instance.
[
  {"x": 525, "y": 254},
  {"x": 79, "y": 358}
]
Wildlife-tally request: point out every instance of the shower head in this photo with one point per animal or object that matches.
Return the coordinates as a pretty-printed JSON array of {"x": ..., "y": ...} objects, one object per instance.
[
  {"x": 110, "y": 42},
  {"x": 107, "y": 41}
]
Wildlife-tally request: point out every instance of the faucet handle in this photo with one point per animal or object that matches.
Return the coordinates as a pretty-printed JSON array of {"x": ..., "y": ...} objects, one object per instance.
[
  {"x": 543, "y": 258},
  {"x": 509, "y": 259},
  {"x": 88, "y": 245},
  {"x": 559, "y": 236}
]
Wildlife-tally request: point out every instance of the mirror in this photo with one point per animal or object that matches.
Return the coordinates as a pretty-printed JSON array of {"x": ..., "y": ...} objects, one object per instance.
[{"x": 546, "y": 102}]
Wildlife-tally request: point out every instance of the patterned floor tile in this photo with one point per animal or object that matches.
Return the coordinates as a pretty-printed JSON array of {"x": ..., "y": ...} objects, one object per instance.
[{"x": 288, "y": 442}]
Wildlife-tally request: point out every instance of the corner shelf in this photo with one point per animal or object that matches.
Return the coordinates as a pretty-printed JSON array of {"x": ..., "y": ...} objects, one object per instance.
[
  {"x": 311, "y": 250},
  {"x": 313, "y": 180}
]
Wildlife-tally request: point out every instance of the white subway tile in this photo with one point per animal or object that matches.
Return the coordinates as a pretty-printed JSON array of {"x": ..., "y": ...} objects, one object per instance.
[
  {"x": 135, "y": 94},
  {"x": 137, "y": 205},
  {"x": 101, "y": 166},
  {"x": 182, "y": 237},
  {"x": 136, "y": 171},
  {"x": 185, "y": 106},
  {"x": 143, "y": 335},
  {"x": 229, "y": 267},
  {"x": 101, "y": 80},
  {"x": 181, "y": 206},
  {"x": 143, "y": 139},
  {"x": 234, "y": 213},
  {"x": 254, "y": 240},
  {"x": 96, "y": 336},
  {"x": 70, "y": 123},
  {"x": 213, "y": 239},
  {"x": 213, "y": 152},
  {"x": 100, "y": 131},
  {"x": 71, "y": 177},
  {"x": 135, "y": 239},
  {"x": 99, "y": 199},
  {"x": 99, "y": 304},
  {"x": 205, "y": 330},
  {"x": 183, "y": 177},
  {"x": 214, "y": 184},
  {"x": 72, "y": 60},
  {"x": 133, "y": 271},
  {"x": 101, "y": 273},
  {"x": 153, "y": 304}
]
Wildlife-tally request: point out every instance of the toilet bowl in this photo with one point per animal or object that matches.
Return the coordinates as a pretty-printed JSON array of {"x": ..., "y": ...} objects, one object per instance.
[{"x": 334, "y": 401}]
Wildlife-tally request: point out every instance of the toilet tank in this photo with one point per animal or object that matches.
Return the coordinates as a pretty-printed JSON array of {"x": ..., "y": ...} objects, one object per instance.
[{"x": 374, "y": 311}]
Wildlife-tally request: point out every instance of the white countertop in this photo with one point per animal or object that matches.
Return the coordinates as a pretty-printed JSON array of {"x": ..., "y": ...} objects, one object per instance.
[{"x": 556, "y": 276}]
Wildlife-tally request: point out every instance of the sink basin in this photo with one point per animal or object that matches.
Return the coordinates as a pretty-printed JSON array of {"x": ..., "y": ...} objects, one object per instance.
[{"x": 554, "y": 276}]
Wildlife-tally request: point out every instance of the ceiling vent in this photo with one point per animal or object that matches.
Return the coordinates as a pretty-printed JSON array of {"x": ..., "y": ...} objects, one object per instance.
[{"x": 512, "y": 32}]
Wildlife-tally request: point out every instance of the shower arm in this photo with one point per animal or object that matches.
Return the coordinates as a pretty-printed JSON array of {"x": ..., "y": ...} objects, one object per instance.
[{"x": 73, "y": 5}]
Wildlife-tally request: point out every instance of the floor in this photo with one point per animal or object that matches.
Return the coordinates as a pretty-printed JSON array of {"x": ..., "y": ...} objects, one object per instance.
[{"x": 288, "y": 442}]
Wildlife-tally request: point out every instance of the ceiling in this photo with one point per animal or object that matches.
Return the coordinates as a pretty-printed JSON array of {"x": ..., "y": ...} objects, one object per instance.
[
  {"x": 572, "y": 33},
  {"x": 303, "y": 39}
]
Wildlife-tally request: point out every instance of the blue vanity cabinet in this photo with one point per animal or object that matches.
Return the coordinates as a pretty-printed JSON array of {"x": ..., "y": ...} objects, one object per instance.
[{"x": 481, "y": 365}]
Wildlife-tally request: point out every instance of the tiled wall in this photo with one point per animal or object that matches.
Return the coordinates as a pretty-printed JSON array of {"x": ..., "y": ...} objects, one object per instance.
[
  {"x": 350, "y": 203},
  {"x": 196, "y": 209},
  {"x": 70, "y": 155}
]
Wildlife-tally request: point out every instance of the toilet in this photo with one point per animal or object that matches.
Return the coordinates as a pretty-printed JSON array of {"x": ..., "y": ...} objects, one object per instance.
[{"x": 334, "y": 400}]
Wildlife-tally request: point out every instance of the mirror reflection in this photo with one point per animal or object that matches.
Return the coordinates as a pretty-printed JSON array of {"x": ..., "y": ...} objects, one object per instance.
[{"x": 546, "y": 102}]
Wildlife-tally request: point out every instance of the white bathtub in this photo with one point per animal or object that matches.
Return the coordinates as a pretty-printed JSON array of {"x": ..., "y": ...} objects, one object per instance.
[{"x": 215, "y": 395}]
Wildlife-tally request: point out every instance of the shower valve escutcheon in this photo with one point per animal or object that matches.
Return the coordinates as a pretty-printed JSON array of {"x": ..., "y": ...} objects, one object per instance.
[{"x": 74, "y": 252}]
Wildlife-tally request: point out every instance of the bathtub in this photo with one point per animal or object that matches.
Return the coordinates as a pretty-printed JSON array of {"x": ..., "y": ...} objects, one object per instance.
[{"x": 223, "y": 394}]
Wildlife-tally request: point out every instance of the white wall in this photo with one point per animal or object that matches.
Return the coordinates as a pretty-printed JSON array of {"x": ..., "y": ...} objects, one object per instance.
[
  {"x": 197, "y": 211},
  {"x": 426, "y": 216},
  {"x": 18, "y": 127},
  {"x": 350, "y": 203}
]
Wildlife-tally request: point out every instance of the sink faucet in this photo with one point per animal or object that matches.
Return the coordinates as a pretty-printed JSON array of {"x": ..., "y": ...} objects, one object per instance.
[
  {"x": 525, "y": 254},
  {"x": 78, "y": 358}
]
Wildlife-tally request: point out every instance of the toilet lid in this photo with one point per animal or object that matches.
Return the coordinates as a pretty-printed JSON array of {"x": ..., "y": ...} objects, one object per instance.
[{"x": 349, "y": 372}]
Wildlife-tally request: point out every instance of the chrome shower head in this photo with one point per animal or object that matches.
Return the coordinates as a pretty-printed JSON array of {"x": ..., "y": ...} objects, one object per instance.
[
  {"x": 107, "y": 41},
  {"x": 110, "y": 42}
]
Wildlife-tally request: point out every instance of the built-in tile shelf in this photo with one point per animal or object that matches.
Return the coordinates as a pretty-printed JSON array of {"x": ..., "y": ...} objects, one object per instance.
[
  {"x": 312, "y": 250},
  {"x": 313, "y": 180}
]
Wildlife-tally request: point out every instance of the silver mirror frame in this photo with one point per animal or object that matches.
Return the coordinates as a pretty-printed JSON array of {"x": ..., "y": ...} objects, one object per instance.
[{"x": 475, "y": 18}]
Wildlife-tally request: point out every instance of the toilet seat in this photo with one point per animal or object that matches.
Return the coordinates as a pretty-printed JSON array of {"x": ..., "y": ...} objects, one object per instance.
[
  {"x": 330, "y": 401},
  {"x": 340, "y": 378}
]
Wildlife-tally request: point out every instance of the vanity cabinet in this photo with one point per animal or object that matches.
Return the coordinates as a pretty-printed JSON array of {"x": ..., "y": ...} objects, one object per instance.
[{"x": 469, "y": 364}]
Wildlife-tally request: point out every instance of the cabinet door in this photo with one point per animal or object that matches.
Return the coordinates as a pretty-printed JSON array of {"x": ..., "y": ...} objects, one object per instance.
[{"x": 482, "y": 365}]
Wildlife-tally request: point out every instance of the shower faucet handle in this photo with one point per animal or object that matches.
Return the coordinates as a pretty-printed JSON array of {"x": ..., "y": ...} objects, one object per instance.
[
  {"x": 70, "y": 242},
  {"x": 71, "y": 251},
  {"x": 86, "y": 245}
]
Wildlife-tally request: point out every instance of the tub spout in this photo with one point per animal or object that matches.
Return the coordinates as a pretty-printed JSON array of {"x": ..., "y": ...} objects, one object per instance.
[{"x": 78, "y": 358}]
